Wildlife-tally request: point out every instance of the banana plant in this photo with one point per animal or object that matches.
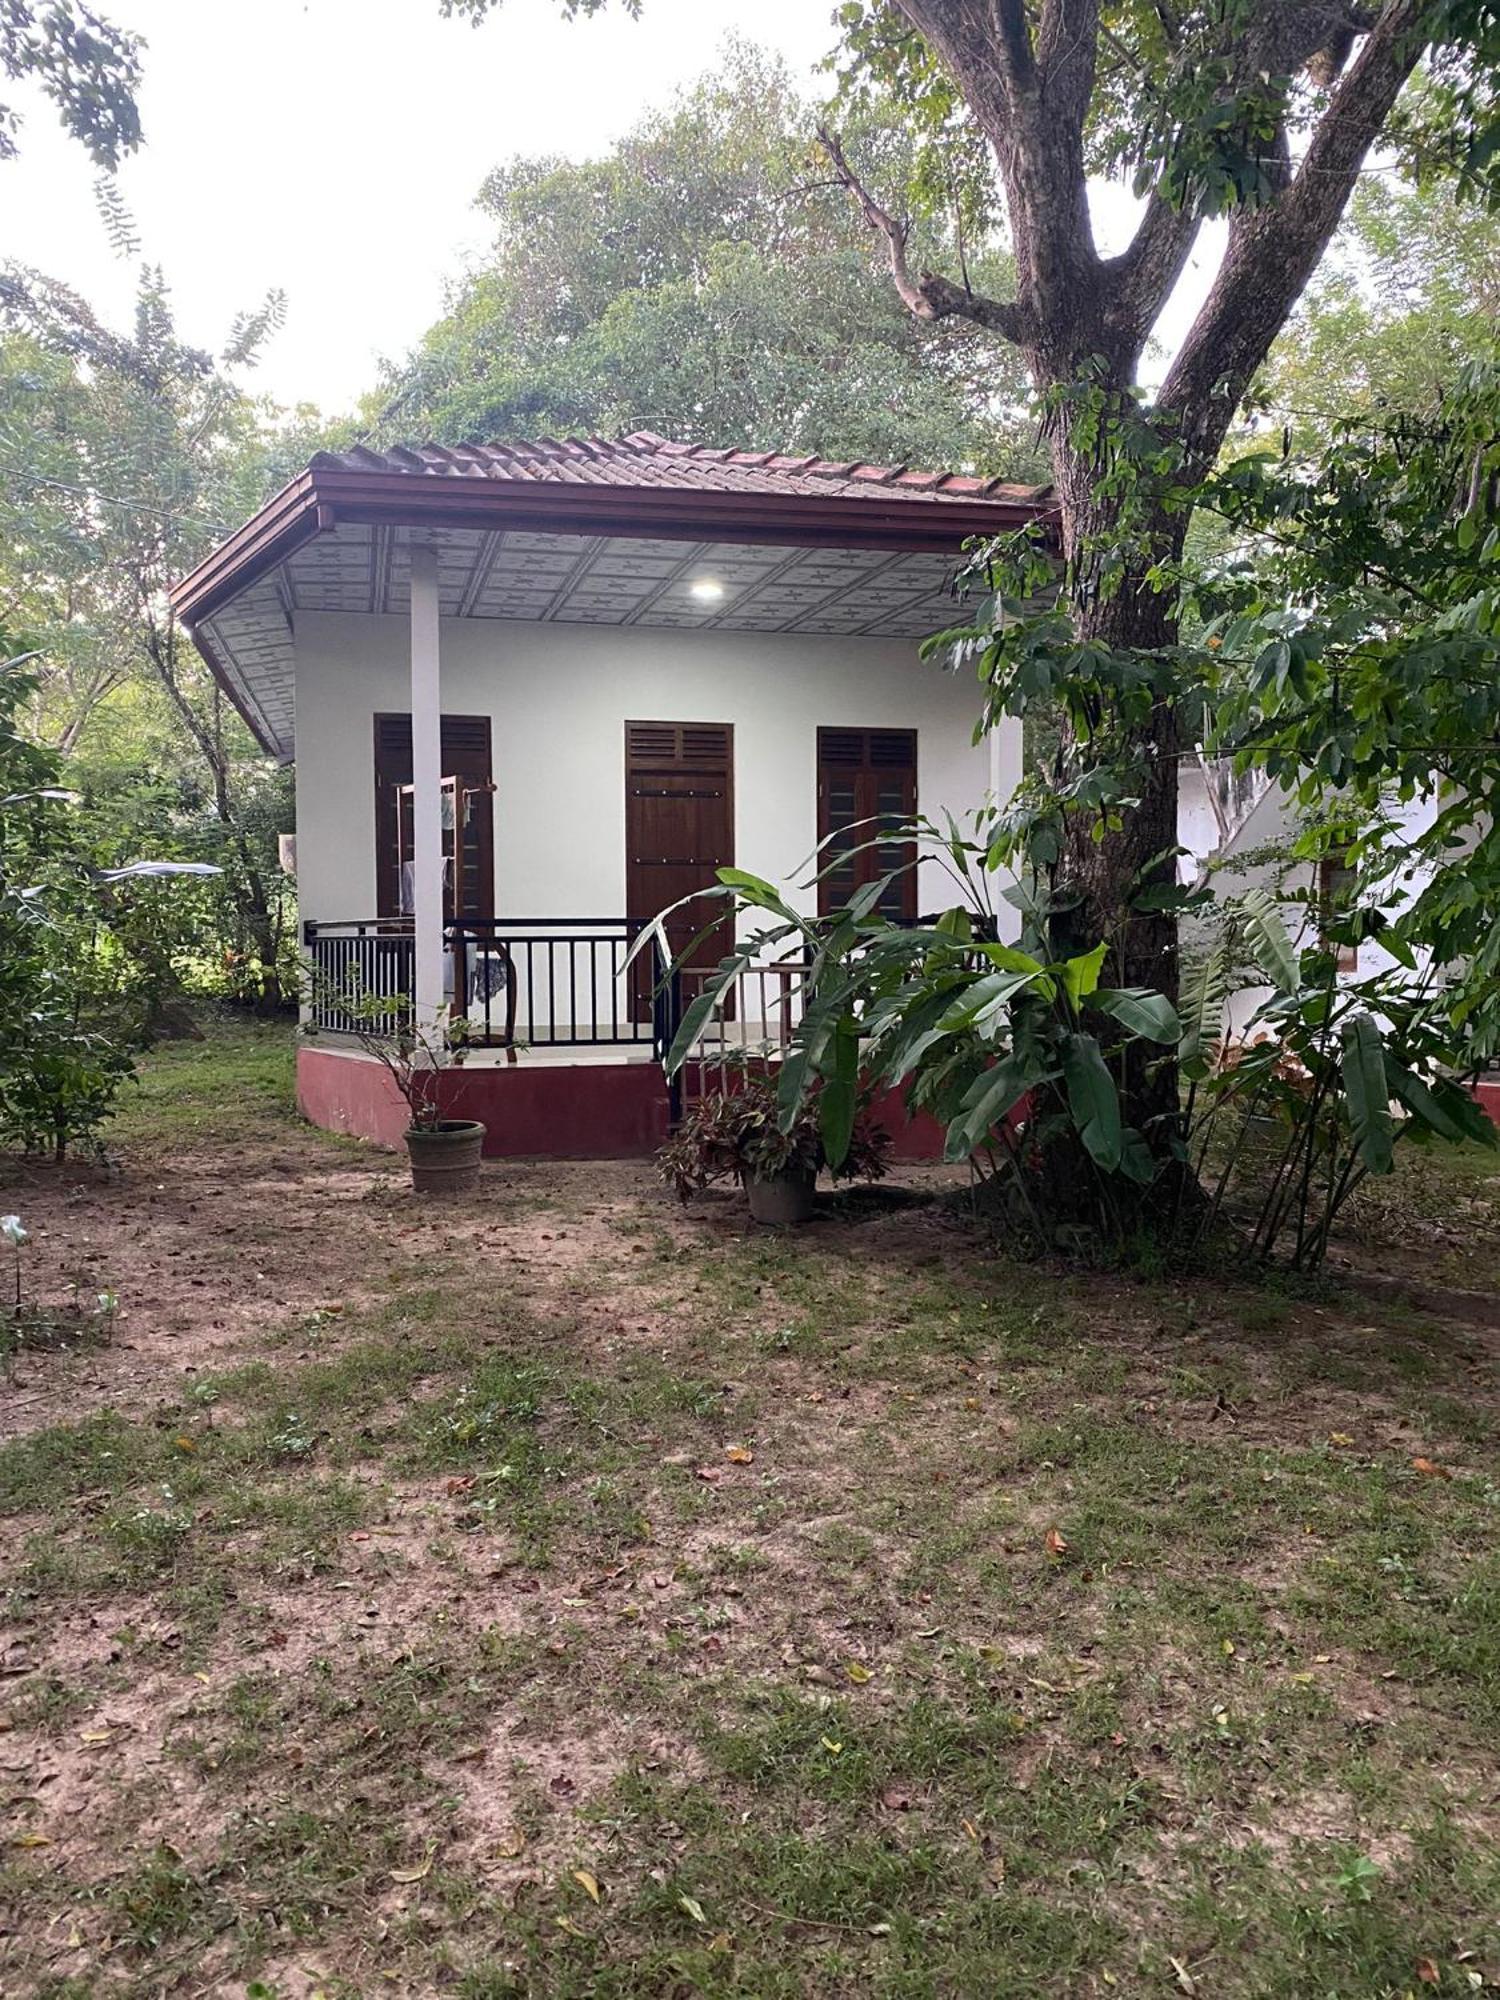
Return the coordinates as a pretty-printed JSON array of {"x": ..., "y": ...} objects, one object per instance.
[
  {"x": 1013, "y": 1049},
  {"x": 971, "y": 1028},
  {"x": 1334, "y": 1072}
]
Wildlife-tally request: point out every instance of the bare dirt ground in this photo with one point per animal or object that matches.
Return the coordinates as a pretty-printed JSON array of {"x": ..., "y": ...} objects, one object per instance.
[{"x": 556, "y": 1592}]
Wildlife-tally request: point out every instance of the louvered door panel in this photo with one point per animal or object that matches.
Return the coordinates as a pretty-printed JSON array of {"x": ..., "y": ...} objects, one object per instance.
[
  {"x": 867, "y": 785},
  {"x": 679, "y": 828}
]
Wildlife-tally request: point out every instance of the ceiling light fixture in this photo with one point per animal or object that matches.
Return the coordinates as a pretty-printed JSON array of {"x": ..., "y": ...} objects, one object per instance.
[{"x": 707, "y": 589}]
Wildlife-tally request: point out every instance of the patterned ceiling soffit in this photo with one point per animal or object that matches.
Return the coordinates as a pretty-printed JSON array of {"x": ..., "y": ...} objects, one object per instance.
[{"x": 588, "y": 531}]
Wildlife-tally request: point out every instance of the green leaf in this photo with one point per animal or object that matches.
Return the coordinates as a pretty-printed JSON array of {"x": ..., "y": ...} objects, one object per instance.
[
  {"x": 1270, "y": 946},
  {"x": 1081, "y": 975},
  {"x": 697, "y": 1015},
  {"x": 897, "y": 1051},
  {"x": 836, "y": 1106},
  {"x": 803, "y": 1058},
  {"x": 992, "y": 1096},
  {"x": 1201, "y": 1004},
  {"x": 1150, "y": 1015},
  {"x": 1136, "y": 1161},
  {"x": 1445, "y": 1108},
  {"x": 1093, "y": 1099},
  {"x": 755, "y": 889},
  {"x": 1009, "y": 959},
  {"x": 984, "y": 998},
  {"x": 1367, "y": 1091}
]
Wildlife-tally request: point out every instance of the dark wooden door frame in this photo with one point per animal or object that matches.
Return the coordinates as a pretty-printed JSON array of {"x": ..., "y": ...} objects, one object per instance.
[
  {"x": 865, "y": 772},
  {"x": 674, "y": 754},
  {"x": 467, "y": 754}
]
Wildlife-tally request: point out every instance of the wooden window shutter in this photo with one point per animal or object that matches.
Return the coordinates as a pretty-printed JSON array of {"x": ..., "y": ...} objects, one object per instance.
[
  {"x": 867, "y": 782},
  {"x": 678, "y": 746}
]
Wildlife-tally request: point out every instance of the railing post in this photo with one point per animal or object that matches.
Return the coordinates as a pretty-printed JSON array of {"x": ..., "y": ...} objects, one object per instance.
[
  {"x": 459, "y": 1009},
  {"x": 427, "y": 791},
  {"x": 673, "y": 1023}
]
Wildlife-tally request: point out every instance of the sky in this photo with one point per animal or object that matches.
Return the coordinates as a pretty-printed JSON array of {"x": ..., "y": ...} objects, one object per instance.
[{"x": 333, "y": 149}]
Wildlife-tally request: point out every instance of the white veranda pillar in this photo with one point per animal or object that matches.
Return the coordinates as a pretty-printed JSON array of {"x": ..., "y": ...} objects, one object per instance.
[{"x": 427, "y": 787}]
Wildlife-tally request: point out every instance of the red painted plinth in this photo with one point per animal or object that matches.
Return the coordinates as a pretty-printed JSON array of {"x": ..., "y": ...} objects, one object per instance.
[
  {"x": 1488, "y": 1094},
  {"x": 582, "y": 1111},
  {"x": 564, "y": 1111},
  {"x": 914, "y": 1135}
]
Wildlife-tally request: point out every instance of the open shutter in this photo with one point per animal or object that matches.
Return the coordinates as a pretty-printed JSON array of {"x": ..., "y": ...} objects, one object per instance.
[{"x": 466, "y": 758}]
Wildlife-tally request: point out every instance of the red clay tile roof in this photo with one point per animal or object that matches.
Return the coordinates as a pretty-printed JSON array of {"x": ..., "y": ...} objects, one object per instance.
[{"x": 644, "y": 459}]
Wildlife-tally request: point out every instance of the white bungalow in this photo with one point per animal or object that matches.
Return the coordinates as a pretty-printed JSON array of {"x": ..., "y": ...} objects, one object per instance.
[{"x": 537, "y": 692}]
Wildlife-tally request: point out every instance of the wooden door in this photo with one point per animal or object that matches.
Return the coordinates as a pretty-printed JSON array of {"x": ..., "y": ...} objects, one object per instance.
[
  {"x": 466, "y": 759},
  {"x": 867, "y": 784},
  {"x": 679, "y": 829}
]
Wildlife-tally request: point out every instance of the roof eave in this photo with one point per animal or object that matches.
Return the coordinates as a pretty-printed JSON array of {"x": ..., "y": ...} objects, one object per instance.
[{"x": 321, "y": 498}]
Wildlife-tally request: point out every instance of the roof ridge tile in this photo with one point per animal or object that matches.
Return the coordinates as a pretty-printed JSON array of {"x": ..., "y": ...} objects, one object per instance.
[{"x": 643, "y": 457}]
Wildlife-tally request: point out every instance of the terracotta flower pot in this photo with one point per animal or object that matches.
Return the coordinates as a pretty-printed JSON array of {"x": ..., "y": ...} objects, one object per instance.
[
  {"x": 445, "y": 1156},
  {"x": 782, "y": 1200}
]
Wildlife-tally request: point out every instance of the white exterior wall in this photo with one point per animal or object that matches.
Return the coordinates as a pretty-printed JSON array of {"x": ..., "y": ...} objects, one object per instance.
[
  {"x": 1274, "y": 822},
  {"x": 558, "y": 697}
]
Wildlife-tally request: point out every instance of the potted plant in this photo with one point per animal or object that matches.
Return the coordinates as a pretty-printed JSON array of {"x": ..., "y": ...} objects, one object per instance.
[
  {"x": 736, "y": 1134},
  {"x": 444, "y": 1151}
]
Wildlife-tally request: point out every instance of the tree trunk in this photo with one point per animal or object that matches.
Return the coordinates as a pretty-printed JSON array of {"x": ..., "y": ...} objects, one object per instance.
[{"x": 1102, "y": 879}]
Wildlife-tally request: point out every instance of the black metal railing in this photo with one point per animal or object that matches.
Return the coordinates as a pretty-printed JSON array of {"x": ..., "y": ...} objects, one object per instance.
[
  {"x": 353, "y": 963},
  {"x": 535, "y": 982}
]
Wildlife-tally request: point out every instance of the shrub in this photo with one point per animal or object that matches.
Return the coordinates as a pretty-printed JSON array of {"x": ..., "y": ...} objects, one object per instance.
[{"x": 738, "y": 1135}]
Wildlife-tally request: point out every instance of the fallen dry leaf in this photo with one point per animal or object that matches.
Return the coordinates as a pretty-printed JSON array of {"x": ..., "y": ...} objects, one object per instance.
[
  {"x": 710, "y": 1474},
  {"x": 511, "y": 1845},
  {"x": 1056, "y": 1542},
  {"x": 1431, "y": 1468},
  {"x": 858, "y": 1674},
  {"x": 1428, "y": 1973},
  {"x": 418, "y": 1874},
  {"x": 739, "y": 1454},
  {"x": 588, "y": 1883},
  {"x": 895, "y": 1800}
]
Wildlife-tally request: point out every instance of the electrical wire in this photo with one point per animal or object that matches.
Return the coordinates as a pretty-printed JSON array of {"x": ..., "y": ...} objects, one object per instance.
[{"x": 113, "y": 499}]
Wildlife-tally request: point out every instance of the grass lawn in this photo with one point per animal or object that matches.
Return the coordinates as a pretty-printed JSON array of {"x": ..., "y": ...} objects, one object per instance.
[{"x": 553, "y": 1593}]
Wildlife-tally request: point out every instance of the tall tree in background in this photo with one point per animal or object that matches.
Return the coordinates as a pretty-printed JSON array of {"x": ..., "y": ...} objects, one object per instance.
[
  {"x": 90, "y": 70},
  {"x": 126, "y": 457},
  {"x": 1408, "y": 297},
  {"x": 707, "y": 278}
]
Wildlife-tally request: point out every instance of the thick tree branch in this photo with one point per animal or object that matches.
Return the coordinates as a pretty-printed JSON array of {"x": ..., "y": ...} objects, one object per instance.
[
  {"x": 1139, "y": 282},
  {"x": 1013, "y": 44},
  {"x": 927, "y": 296},
  {"x": 1067, "y": 53},
  {"x": 1274, "y": 250},
  {"x": 1032, "y": 103}
]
